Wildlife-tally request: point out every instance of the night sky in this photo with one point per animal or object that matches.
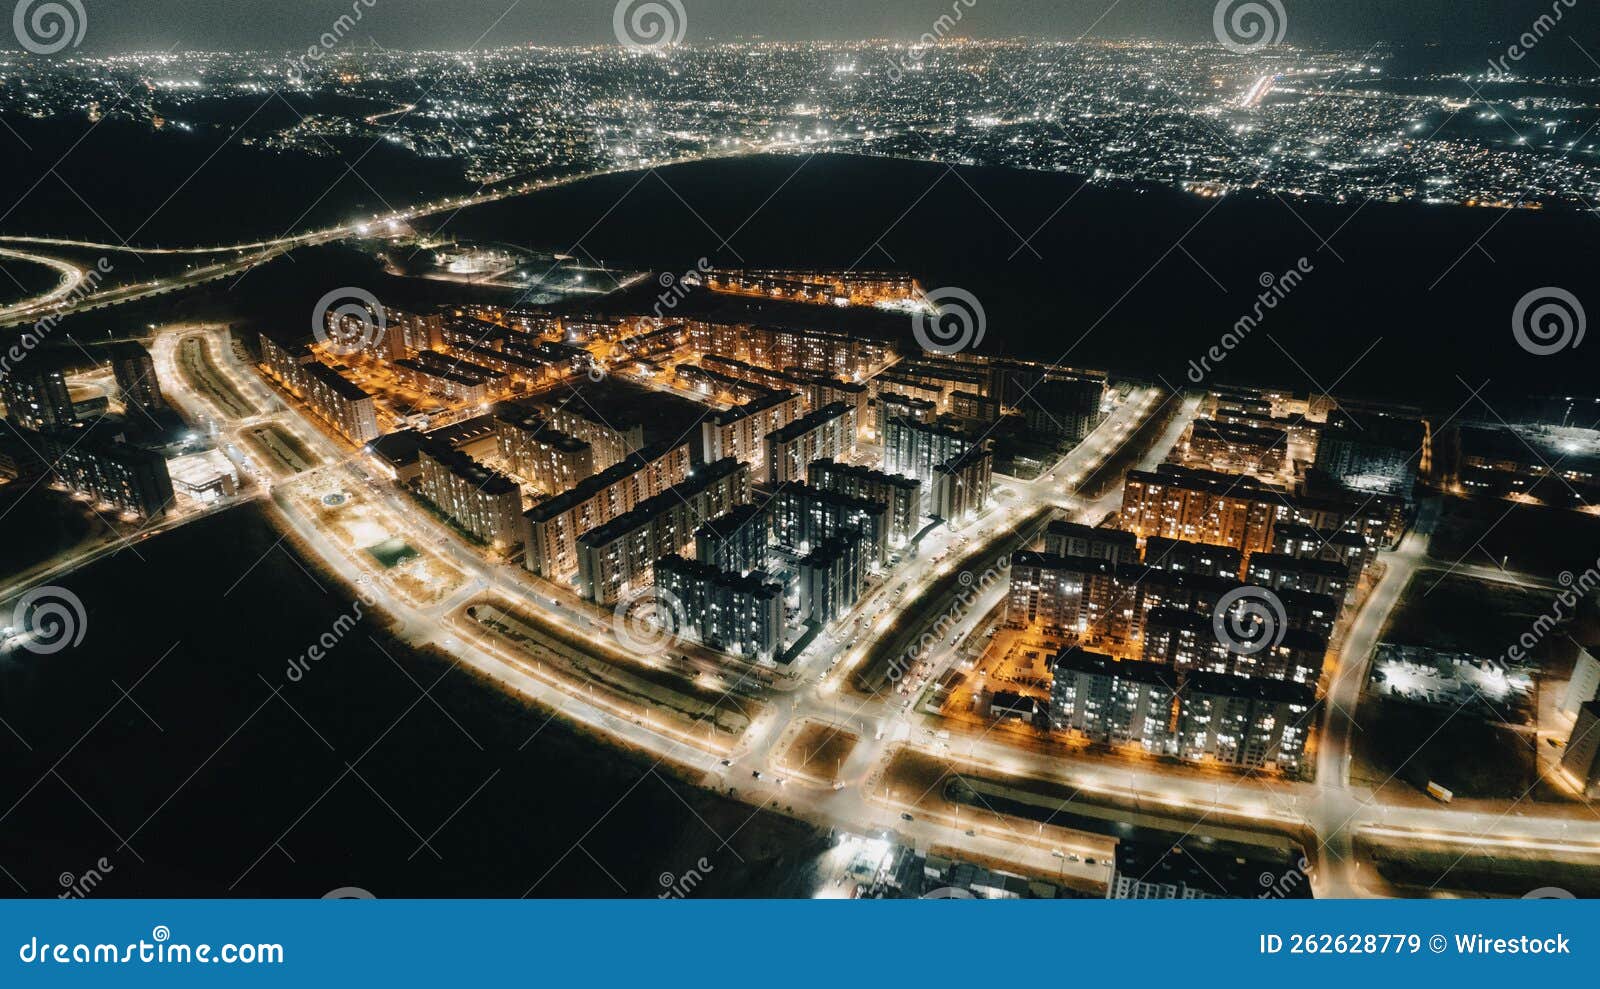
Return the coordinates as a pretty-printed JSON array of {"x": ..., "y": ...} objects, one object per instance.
[{"x": 278, "y": 25}]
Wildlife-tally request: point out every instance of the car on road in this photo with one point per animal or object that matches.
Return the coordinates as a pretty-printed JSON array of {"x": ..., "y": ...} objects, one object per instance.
[{"x": 907, "y": 817}]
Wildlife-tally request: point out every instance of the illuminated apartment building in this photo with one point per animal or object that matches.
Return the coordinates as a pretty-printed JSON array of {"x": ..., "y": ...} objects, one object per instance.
[
  {"x": 826, "y": 434},
  {"x": 612, "y": 441},
  {"x": 741, "y": 432},
  {"x": 1063, "y": 538},
  {"x": 92, "y": 461},
  {"x": 832, "y": 577},
  {"x": 724, "y": 611},
  {"x": 892, "y": 405},
  {"x": 36, "y": 393},
  {"x": 803, "y": 517},
  {"x": 914, "y": 448},
  {"x": 551, "y": 529},
  {"x": 901, "y": 495},
  {"x": 735, "y": 541},
  {"x": 483, "y": 502},
  {"x": 620, "y": 555},
  {"x": 1256, "y": 723},
  {"x": 330, "y": 395},
  {"x": 1201, "y": 507},
  {"x": 548, "y": 460},
  {"x": 1201, "y": 558},
  {"x": 1059, "y": 594},
  {"x": 1284, "y": 572},
  {"x": 1115, "y": 703},
  {"x": 960, "y": 490},
  {"x": 1235, "y": 448},
  {"x": 434, "y": 379}
]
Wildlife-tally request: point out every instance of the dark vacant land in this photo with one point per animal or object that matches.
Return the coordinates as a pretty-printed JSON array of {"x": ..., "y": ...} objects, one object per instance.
[
  {"x": 217, "y": 775},
  {"x": 1405, "y": 744},
  {"x": 1462, "y": 614},
  {"x": 1527, "y": 538}
]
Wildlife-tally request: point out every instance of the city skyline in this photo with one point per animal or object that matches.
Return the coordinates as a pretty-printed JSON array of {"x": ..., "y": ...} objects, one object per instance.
[{"x": 434, "y": 25}]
